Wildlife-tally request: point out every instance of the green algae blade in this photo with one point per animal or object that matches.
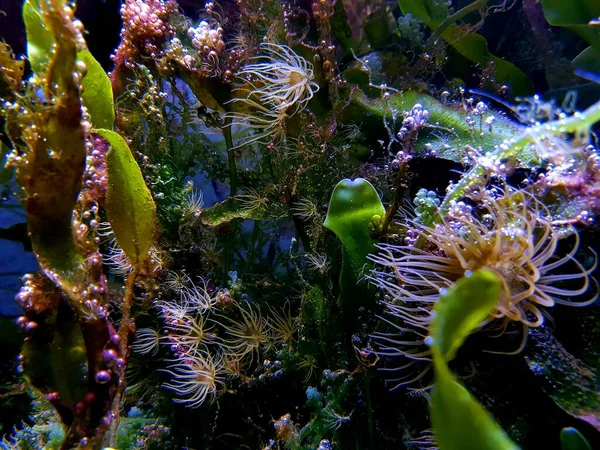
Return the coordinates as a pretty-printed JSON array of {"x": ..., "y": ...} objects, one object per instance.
[
  {"x": 97, "y": 95},
  {"x": 571, "y": 381},
  {"x": 470, "y": 45},
  {"x": 129, "y": 204},
  {"x": 572, "y": 439},
  {"x": 461, "y": 309},
  {"x": 459, "y": 421},
  {"x": 577, "y": 16},
  {"x": 353, "y": 209},
  {"x": 40, "y": 41},
  {"x": 447, "y": 132},
  {"x": 55, "y": 359},
  {"x": 424, "y": 10}
]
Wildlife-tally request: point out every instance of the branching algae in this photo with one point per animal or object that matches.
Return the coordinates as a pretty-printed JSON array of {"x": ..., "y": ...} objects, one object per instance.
[{"x": 304, "y": 225}]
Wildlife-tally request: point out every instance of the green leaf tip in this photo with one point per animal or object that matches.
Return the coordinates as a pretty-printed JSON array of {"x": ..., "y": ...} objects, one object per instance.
[
  {"x": 40, "y": 42},
  {"x": 572, "y": 439},
  {"x": 353, "y": 210},
  {"x": 462, "y": 308},
  {"x": 352, "y": 207},
  {"x": 129, "y": 204},
  {"x": 97, "y": 95}
]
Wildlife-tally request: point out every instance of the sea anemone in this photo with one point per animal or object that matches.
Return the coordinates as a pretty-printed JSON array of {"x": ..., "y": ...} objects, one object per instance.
[
  {"x": 280, "y": 78},
  {"x": 191, "y": 335},
  {"x": 146, "y": 341},
  {"x": 247, "y": 335},
  {"x": 276, "y": 85},
  {"x": 283, "y": 326},
  {"x": 511, "y": 234},
  {"x": 196, "y": 378}
]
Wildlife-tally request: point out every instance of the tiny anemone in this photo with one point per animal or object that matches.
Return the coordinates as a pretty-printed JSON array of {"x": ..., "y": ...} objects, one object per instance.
[
  {"x": 276, "y": 85},
  {"x": 282, "y": 326},
  {"x": 191, "y": 334},
  {"x": 146, "y": 341},
  {"x": 247, "y": 335},
  {"x": 512, "y": 235},
  {"x": 280, "y": 78},
  {"x": 194, "y": 378}
]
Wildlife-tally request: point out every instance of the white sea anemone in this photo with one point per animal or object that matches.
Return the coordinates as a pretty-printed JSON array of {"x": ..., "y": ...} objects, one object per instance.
[{"x": 276, "y": 85}]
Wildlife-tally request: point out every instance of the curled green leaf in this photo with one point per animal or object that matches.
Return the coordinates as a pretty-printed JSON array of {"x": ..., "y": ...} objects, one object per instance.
[
  {"x": 459, "y": 421},
  {"x": 129, "y": 204}
]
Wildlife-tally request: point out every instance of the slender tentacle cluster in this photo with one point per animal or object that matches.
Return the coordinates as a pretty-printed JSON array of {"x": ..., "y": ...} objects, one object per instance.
[
  {"x": 511, "y": 235},
  {"x": 276, "y": 85},
  {"x": 246, "y": 335},
  {"x": 196, "y": 378}
]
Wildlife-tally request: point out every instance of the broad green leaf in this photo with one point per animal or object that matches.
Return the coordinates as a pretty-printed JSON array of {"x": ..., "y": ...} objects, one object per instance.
[
  {"x": 461, "y": 309},
  {"x": 571, "y": 380},
  {"x": 97, "y": 93},
  {"x": 572, "y": 439},
  {"x": 424, "y": 10},
  {"x": 588, "y": 60},
  {"x": 474, "y": 47},
  {"x": 470, "y": 45},
  {"x": 573, "y": 12},
  {"x": 449, "y": 132},
  {"x": 40, "y": 42},
  {"x": 129, "y": 204},
  {"x": 459, "y": 421},
  {"x": 576, "y": 16}
]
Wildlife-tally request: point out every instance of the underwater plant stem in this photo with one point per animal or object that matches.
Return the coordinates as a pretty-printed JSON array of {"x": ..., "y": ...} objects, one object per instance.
[
  {"x": 233, "y": 188},
  {"x": 253, "y": 242},
  {"x": 400, "y": 183},
  {"x": 578, "y": 124},
  {"x": 230, "y": 157},
  {"x": 125, "y": 332}
]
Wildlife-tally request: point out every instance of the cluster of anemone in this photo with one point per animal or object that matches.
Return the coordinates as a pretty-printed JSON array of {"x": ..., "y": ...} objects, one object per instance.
[
  {"x": 209, "y": 347},
  {"x": 510, "y": 233},
  {"x": 275, "y": 85},
  {"x": 196, "y": 371}
]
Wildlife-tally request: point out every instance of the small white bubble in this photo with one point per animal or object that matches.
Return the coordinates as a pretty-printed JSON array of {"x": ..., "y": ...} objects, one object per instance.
[
  {"x": 443, "y": 291},
  {"x": 429, "y": 341},
  {"x": 468, "y": 273}
]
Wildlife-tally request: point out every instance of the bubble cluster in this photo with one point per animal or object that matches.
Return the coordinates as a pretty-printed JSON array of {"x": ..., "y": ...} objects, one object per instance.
[{"x": 146, "y": 30}]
